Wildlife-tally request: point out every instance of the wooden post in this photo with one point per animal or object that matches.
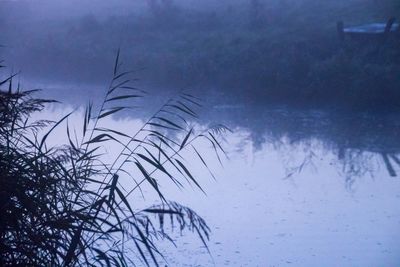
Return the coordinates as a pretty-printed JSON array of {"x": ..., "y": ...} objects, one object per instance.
[{"x": 388, "y": 27}]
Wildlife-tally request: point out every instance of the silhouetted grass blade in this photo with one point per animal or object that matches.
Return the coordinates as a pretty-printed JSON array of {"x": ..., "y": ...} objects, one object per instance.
[
  {"x": 189, "y": 174},
  {"x": 52, "y": 129},
  {"x": 112, "y": 111},
  {"x": 122, "y": 97}
]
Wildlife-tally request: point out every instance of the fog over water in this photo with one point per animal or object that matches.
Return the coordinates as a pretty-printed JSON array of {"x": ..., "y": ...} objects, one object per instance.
[
  {"x": 312, "y": 171},
  {"x": 254, "y": 51}
]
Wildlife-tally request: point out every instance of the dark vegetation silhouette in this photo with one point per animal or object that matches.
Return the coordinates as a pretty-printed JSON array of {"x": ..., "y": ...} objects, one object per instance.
[
  {"x": 256, "y": 52},
  {"x": 65, "y": 205}
]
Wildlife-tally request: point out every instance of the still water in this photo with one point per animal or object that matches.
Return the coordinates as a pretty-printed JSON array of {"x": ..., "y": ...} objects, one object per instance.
[
  {"x": 297, "y": 188},
  {"x": 303, "y": 189}
]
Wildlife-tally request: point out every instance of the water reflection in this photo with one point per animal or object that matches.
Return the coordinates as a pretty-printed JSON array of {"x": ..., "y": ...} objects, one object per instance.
[
  {"x": 296, "y": 190},
  {"x": 362, "y": 142},
  {"x": 359, "y": 141},
  {"x": 302, "y": 188}
]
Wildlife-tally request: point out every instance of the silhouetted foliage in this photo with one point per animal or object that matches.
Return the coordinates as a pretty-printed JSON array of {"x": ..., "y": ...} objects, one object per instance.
[{"x": 65, "y": 206}]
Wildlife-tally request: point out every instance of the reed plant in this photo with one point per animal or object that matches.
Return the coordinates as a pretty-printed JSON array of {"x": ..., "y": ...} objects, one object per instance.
[{"x": 65, "y": 205}]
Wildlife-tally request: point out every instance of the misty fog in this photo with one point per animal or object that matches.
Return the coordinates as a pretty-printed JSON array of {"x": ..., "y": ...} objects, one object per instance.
[
  {"x": 313, "y": 159},
  {"x": 282, "y": 51}
]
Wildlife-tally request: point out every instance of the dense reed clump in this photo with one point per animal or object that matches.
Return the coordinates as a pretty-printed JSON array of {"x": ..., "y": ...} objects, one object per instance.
[{"x": 65, "y": 205}]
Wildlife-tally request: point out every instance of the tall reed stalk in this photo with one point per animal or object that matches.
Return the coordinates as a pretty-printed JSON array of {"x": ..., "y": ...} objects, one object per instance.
[{"x": 64, "y": 205}]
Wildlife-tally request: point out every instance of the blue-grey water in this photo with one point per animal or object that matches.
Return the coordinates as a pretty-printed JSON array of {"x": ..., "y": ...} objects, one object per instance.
[
  {"x": 297, "y": 188},
  {"x": 302, "y": 189}
]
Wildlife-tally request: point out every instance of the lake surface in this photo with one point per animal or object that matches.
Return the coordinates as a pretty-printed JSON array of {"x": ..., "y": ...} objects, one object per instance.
[
  {"x": 303, "y": 189},
  {"x": 298, "y": 188}
]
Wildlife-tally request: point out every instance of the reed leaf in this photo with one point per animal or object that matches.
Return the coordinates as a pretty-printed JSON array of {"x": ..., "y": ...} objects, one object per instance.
[{"x": 67, "y": 204}]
